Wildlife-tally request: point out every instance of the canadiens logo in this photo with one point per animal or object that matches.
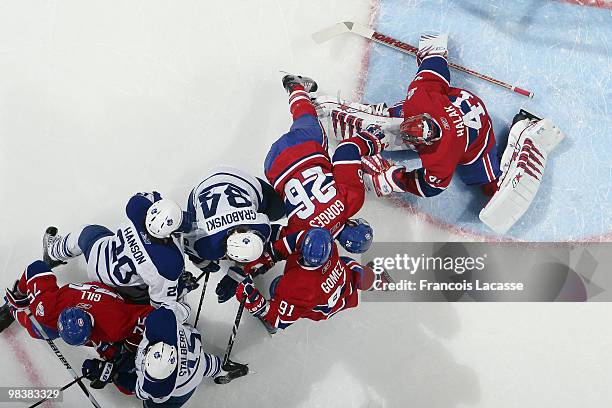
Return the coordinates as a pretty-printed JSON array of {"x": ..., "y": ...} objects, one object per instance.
[
  {"x": 83, "y": 306},
  {"x": 40, "y": 309}
]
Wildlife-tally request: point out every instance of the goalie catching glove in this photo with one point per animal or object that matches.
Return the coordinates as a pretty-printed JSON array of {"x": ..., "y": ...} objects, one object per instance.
[{"x": 378, "y": 175}]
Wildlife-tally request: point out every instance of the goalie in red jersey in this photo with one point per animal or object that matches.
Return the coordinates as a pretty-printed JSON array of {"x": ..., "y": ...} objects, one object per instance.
[
  {"x": 451, "y": 131},
  {"x": 317, "y": 192},
  {"x": 448, "y": 127},
  {"x": 316, "y": 284}
]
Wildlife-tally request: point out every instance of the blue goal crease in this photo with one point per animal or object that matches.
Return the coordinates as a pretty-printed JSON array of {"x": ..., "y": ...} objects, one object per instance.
[{"x": 559, "y": 51}]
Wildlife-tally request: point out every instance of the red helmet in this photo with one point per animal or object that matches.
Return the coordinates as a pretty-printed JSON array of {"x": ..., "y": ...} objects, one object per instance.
[{"x": 420, "y": 130}]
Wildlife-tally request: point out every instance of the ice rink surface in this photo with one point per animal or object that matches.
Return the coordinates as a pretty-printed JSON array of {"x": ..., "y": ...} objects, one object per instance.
[{"x": 101, "y": 99}]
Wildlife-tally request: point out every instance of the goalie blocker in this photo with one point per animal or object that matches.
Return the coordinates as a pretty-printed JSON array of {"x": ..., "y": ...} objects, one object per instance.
[{"x": 530, "y": 142}]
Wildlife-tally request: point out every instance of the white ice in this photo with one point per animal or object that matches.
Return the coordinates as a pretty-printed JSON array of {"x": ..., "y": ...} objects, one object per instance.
[{"x": 101, "y": 99}]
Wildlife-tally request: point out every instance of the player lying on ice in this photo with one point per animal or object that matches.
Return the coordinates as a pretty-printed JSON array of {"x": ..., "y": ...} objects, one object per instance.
[
  {"x": 316, "y": 283},
  {"x": 316, "y": 191},
  {"x": 143, "y": 259},
  {"x": 451, "y": 131},
  {"x": 169, "y": 364},
  {"x": 90, "y": 314}
]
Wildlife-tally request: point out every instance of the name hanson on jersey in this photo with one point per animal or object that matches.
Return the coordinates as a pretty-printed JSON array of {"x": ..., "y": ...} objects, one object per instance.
[{"x": 134, "y": 247}]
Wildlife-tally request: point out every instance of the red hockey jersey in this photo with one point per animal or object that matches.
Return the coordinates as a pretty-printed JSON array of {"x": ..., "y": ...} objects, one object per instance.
[
  {"x": 310, "y": 292},
  {"x": 114, "y": 320},
  {"x": 465, "y": 127},
  {"x": 317, "y": 191}
]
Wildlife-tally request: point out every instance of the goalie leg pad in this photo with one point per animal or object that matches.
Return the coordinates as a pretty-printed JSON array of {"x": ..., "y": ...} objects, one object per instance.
[
  {"x": 344, "y": 119},
  {"x": 523, "y": 164}
]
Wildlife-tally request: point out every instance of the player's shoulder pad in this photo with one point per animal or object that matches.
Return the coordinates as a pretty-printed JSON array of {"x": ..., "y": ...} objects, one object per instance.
[
  {"x": 137, "y": 206},
  {"x": 37, "y": 268},
  {"x": 160, "y": 325},
  {"x": 168, "y": 259}
]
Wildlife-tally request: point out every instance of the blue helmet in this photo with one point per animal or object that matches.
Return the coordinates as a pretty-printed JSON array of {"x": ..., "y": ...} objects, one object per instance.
[
  {"x": 74, "y": 326},
  {"x": 356, "y": 236},
  {"x": 316, "y": 247}
]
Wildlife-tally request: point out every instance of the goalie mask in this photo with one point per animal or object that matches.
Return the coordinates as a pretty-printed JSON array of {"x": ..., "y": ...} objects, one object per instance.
[{"x": 420, "y": 130}]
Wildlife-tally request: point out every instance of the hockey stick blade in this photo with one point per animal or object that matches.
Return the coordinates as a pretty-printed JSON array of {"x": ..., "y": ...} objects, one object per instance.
[
  {"x": 328, "y": 33},
  {"x": 236, "y": 370}
]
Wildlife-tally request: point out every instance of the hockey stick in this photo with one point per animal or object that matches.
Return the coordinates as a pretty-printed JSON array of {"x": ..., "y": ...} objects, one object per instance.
[
  {"x": 327, "y": 34},
  {"x": 65, "y": 387},
  {"x": 235, "y": 370},
  {"x": 62, "y": 359},
  {"x": 195, "y": 324}
]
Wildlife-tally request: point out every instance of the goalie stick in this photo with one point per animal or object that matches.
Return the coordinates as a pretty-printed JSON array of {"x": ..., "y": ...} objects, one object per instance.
[
  {"x": 62, "y": 359},
  {"x": 361, "y": 30}
]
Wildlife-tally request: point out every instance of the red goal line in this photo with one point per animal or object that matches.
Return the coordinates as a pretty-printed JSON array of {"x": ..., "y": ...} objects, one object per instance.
[{"x": 592, "y": 3}]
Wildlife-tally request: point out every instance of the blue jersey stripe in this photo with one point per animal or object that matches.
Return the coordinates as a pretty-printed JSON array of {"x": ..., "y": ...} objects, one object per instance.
[{"x": 436, "y": 64}]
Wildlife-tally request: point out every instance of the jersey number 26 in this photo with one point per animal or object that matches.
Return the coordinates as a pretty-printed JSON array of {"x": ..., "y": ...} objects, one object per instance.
[{"x": 303, "y": 194}]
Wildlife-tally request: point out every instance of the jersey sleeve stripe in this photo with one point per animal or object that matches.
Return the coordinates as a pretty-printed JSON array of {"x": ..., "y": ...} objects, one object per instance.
[
  {"x": 346, "y": 151},
  {"x": 290, "y": 169},
  {"x": 37, "y": 269},
  {"x": 436, "y": 65},
  {"x": 347, "y": 162},
  {"x": 485, "y": 144}
]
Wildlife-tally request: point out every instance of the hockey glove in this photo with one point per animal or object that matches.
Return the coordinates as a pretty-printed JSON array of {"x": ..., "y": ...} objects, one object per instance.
[
  {"x": 379, "y": 175},
  {"x": 110, "y": 351},
  {"x": 262, "y": 264},
  {"x": 187, "y": 282},
  {"x": 99, "y": 372},
  {"x": 255, "y": 303},
  {"x": 377, "y": 136},
  {"x": 206, "y": 266},
  {"x": 432, "y": 45},
  {"x": 226, "y": 288},
  {"x": 16, "y": 299}
]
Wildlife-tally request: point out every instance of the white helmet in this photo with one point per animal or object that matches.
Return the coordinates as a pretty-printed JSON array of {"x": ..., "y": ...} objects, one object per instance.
[
  {"x": 160, "y": 361},
  {"x": 163, "y": 218},
  {"x": 244, "y": 246}
]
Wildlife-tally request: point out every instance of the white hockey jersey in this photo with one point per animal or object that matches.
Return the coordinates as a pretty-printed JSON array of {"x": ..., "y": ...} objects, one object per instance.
[
  {"x": 130, "y": 258},
  {"x": 224, "y": 200},
  {"x": 167, "y": 324}
]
